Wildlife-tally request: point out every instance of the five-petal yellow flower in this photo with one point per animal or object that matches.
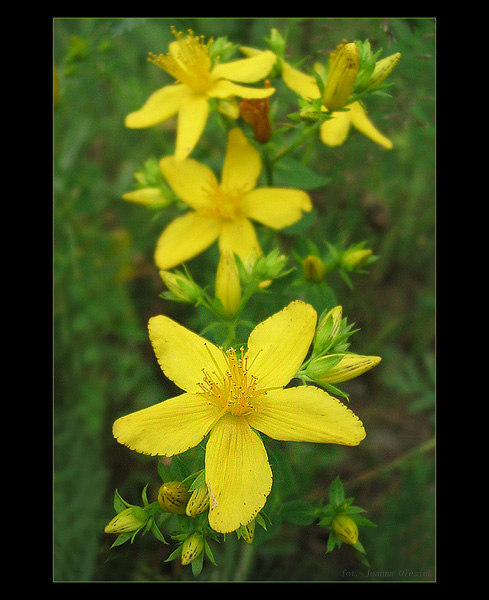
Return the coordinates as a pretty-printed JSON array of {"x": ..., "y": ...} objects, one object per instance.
[
  {"x": 196, "y": 81},
  {"x": 222, "y": 211},
  {"x": 233, "y": 396}
]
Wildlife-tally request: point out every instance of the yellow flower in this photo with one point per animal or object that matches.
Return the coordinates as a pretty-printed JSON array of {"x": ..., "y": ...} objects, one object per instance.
[
  {"x": 222, "y": 211},
  {"x": 197, "y": 80},
  {"x": 232, "y": 397},
  {"x": 334, "y": 131}
]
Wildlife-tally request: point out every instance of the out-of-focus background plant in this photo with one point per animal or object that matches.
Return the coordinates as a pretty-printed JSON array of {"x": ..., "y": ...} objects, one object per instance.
[{"x": 106, "y": 287}]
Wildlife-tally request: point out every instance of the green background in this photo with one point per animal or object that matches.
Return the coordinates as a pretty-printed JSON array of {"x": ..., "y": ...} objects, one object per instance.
[{"x": 105, "y": 288}]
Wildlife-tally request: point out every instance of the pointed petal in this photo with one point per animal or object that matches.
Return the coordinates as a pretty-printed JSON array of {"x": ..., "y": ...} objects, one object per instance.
[
  {"x": 190, "y": 180},
  {"x": 306, "y": 414},
  {"x": 161, "y": 105},
  {"x": 239, "y": 236},
  {"x": 168, "y": 428},
  {"x": 182, "y": 354},
  {"x": 242, "y": 165},
  {"x": 361, "y": 122},
  {"x": 226, "y": 89},
  {"x": 246, "y": 70},
  {"x": 237, "y": 474},
  {"x": 300, "y": 83},
  {"x": 184, "y": 238},
  {"x": 275, "y": 207},
  {"x": 278, "y": 346},
  {"x": 192, "y": 117},
  {"x": 334, "y": 131}
]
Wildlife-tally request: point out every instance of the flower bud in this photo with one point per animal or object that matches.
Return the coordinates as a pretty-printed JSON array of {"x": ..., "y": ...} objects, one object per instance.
[
  {"x": 147, "y": 196},
  {"x": 355, "y": 259},
  {"x": 345, "y": 529},
  {"x": 383, "y": 68},
  {"x": 337, "y": 368},
  {"x": 228, "y": 107},
  {"x": 228, "y": 288},
  {"x": 173, "y": 497},
  {"x": 199, "y": 502},
  {"x": 248, "y": 532},
  {"x": 313, "y": 268},
  {"x": 341, "y": 78},
  {"x": 183, "y": 288},
  {"x": 192, "y": 548},
  {"x": 127, "y": 520},
  {"x": 328, "y": 328}
]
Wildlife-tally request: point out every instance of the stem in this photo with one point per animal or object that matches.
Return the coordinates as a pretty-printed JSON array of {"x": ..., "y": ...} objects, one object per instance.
[{"x": 298, "y": 142}]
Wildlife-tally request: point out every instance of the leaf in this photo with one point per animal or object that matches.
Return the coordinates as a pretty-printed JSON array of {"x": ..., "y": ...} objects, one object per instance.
[
  {"x": 291, "y": 173},
  {"x": 336, "y": 492}
]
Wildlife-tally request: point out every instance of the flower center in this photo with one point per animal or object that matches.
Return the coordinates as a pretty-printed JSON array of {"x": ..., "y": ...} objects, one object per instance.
[
  {"x": 189, "y": 61},
  {"x": 234, "y": 391}
]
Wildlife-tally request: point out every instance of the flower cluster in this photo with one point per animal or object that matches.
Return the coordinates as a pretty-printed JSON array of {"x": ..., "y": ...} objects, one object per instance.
[{"x": 281, "y": 383}]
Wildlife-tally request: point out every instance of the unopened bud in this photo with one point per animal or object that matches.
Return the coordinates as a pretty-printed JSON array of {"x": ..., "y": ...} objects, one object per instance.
[
  {"x": 147, "y": 196},
  {"x": 248, "y": 532},
  {"x": 192, "y": 548},
  {"x": 130, "y": 519},
  {"x": 383, "y": 68},
  {"x": 313, "y": 268},
  {"x": 341, "y": 78},
  {"x": 228, "y": 288},
  {"x": 173, "y": 497},
  {"x": 337, "y": 368},
  {"x": 328, "y": 328},
  {"x": 183, "y": 288},
  {"x": 256, "y": 113},
  {"x": 345, "y": 529},
  {"x": 355, "y": 259},
  {"x": 199, "y": 502}
]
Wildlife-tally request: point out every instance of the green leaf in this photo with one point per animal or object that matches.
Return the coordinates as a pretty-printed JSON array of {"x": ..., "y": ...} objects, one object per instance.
[
  {"x": 289, "y": 172},
  {"x": 122, "y": 538},
  {"x": 336, "y": 492},
  {"x": 165, "y": 473}
]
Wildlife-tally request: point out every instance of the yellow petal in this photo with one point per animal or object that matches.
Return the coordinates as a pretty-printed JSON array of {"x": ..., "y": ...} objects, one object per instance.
[
  {"x": 306, "y": 414},
  {"x": 190, "y": 180},
  {"x": 184, "y": 238},
  {"x": 168, "y": 428},
  {"x": 149, "y": 196},
  {"x": 278, "y": 346},
  {"x": 246, "y": 70},
  {"x": 237, "y": 474},
  {"x": 360, "y": 121},
  {"x": 161, "y": 105},
  {"x": 239, "y": 236},
  {"x": 334, "y": 131},
  {"x": 182, "y": 354},
  {"x": 300, "y": 83},
  {"x": 192, "y": 117},
  {"x": 242, "y": 164},
  {"x": 275, "y": 207},
  {"x": 226, "y": 89}
]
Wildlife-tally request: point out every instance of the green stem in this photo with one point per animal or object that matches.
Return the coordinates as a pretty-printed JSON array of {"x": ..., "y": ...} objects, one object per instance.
[{"x": 298, "y": 142}]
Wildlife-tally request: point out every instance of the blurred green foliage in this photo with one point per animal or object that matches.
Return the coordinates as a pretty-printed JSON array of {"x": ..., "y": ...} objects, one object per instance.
[{"x": 105, "y": 287}]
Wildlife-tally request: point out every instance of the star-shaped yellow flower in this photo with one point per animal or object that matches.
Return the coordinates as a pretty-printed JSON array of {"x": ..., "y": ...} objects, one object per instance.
[
  {"x": 196, "y": 81},
  {"x": 222, "y": 211},
  {"x": 233, "y": 396},
  {"x": 333, "y": 132}
]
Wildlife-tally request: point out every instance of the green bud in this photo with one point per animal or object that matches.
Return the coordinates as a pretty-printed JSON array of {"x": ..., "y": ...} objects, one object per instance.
[
  {"x": 337, "y": 368},
  {"x": 199, "y": 502},
  {"x": 127, "y": 520},
  {"x": 353, "y": 258},
  {"x": 173, "y": 497},
  {"x": 192, "y": 548},
  {"x": 328, "y": 328},
  {"x": 183, "y": 288},
  {"x": 248, "y": 532},
  {"x": 345, "y": 529},
  {"x": 313, "y": 268},
  {"x": 383, "y": 68}
]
